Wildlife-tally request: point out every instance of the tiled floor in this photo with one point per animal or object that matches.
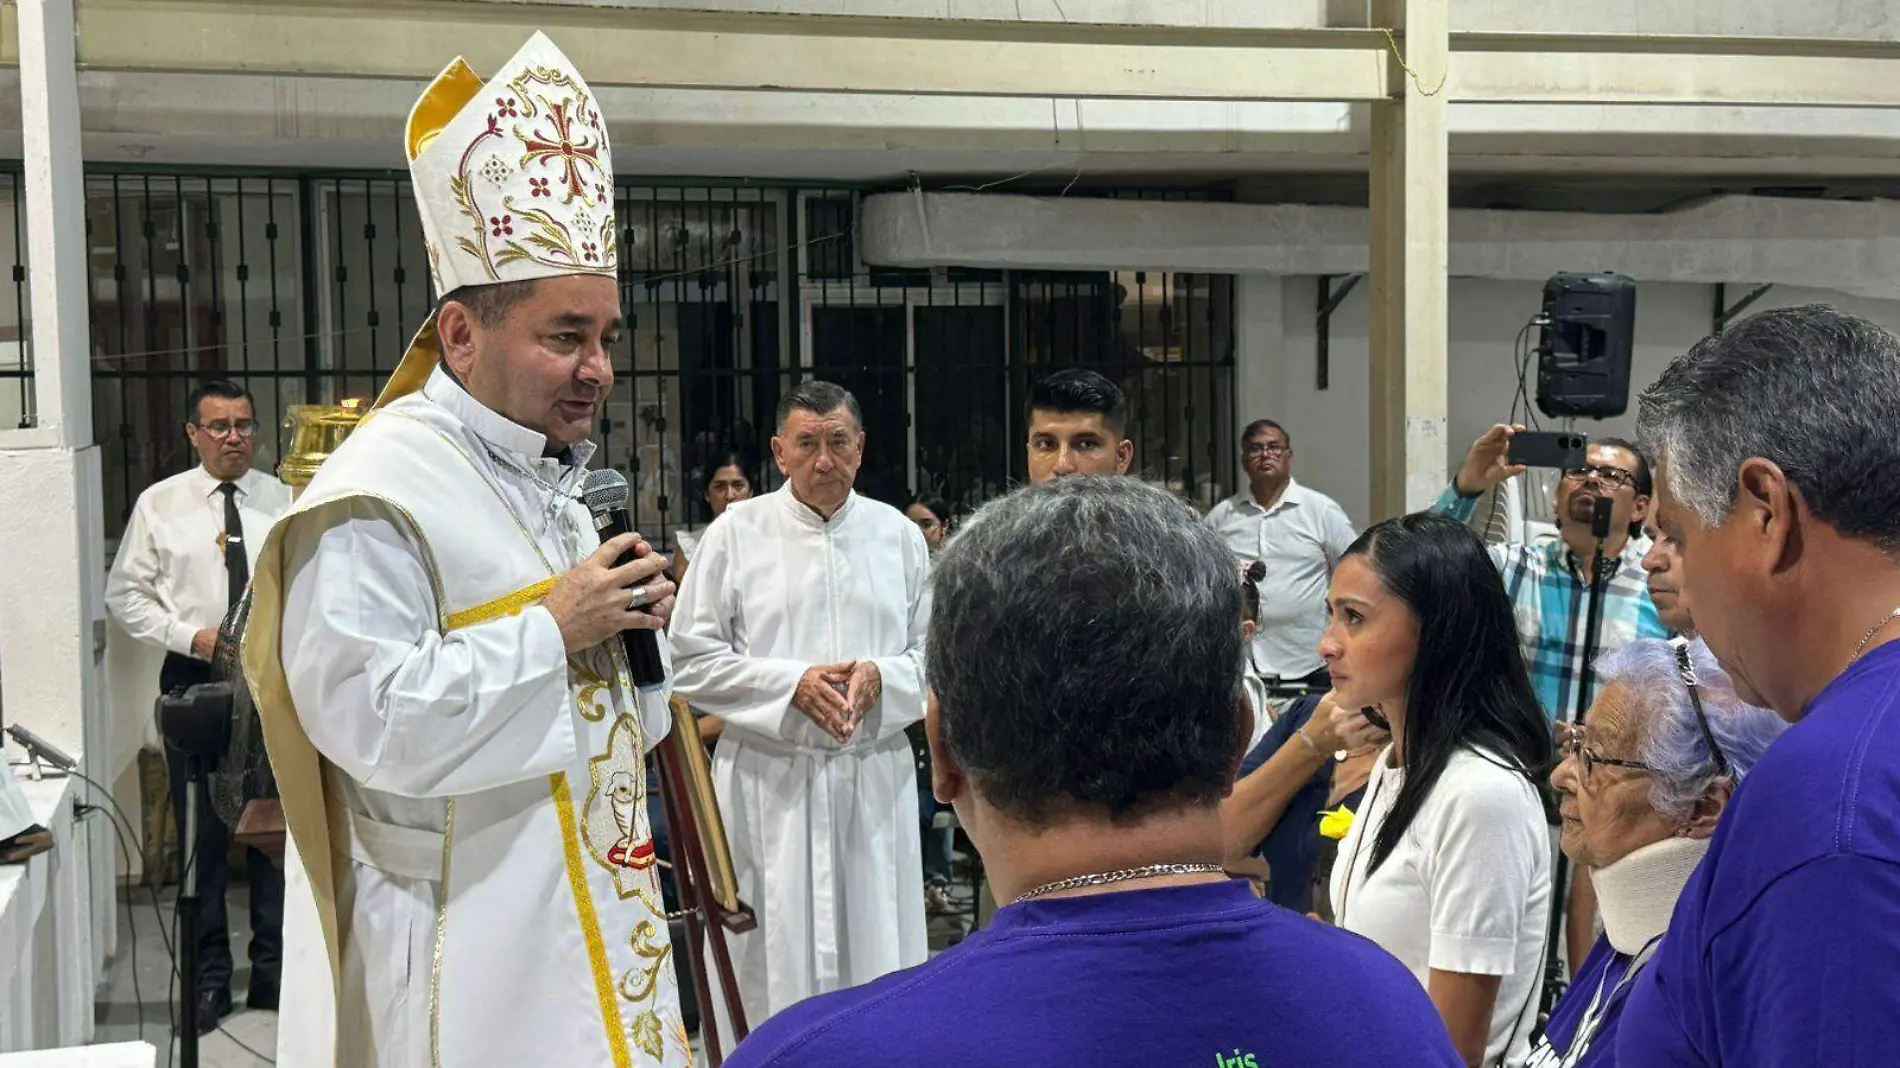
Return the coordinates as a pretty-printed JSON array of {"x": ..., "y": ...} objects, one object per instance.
[{"x": 136, "y": 1002}]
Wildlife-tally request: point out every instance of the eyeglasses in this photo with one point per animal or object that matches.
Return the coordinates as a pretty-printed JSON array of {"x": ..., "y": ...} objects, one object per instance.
[
  {"x": 222, "y": 429},
  {"x": 1609, "y": 476},
  {"x": 1572, "y": 741},
  {"x": 1271, "y": 448},
  {"x": 1686, "y": 666}
]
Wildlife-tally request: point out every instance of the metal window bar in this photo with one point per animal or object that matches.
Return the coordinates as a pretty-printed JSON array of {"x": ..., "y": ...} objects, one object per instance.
[
  {"x": 16, "y": 337},
  {"x": 307, "y": 287}
]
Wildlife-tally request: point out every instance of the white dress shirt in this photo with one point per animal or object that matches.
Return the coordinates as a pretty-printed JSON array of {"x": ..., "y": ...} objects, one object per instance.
[
  {"x": 168, "y": 580},
  {"x": 1300, "y": 539}
]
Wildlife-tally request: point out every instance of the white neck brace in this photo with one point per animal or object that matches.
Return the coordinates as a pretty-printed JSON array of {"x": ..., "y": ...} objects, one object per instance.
[{"x": 1637, "y": 894}]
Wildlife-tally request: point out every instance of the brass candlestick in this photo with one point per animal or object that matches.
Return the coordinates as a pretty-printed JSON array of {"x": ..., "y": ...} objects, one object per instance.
[{"x": 315, "y": 432}]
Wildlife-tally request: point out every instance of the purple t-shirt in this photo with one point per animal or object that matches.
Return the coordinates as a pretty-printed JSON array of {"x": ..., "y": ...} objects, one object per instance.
[
  {"x": 1203, "y": 976},
  {"x": 1785, "y": 945},
  {"x": 1599, "y": 988}
]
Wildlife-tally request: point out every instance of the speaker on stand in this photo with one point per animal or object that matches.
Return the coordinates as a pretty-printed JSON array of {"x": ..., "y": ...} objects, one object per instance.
[{"x": 1584, "y": 347}]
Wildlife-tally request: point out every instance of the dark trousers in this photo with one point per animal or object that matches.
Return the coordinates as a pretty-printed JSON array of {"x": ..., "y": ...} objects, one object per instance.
[
  {"x": 936, "y": 860},
  {"x": 211, "y": 852}
]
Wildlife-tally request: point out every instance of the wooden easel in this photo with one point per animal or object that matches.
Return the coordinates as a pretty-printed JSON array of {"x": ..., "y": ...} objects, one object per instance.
[{"x": 707, "y": 918}]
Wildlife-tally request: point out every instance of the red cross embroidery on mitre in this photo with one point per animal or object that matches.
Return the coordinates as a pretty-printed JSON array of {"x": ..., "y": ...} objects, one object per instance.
[{"x": 560, "y": 148}]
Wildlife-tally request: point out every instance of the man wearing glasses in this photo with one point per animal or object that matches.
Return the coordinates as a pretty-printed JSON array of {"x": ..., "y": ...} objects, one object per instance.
[
  {"x": 1549, "y": 584},
  {"x": 1299, "y": 534},
  {"x": 1549, "y": 580},
  {"x": 184, "y": 560},
  {"x": 1775, "y": 441}
]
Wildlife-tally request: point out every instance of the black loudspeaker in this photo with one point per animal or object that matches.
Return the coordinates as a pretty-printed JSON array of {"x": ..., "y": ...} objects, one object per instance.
[{"x": 1583, "y": 352}]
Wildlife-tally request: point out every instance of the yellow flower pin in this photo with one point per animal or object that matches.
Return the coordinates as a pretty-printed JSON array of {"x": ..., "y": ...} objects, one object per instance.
[{"x": 1336, "y": 823}]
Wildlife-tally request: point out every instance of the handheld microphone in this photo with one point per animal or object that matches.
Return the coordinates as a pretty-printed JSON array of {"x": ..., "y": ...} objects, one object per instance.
[{"x": 605, "y": 494}]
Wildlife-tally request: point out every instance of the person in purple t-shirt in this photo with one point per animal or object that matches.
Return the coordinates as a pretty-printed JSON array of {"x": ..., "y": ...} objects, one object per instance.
[
  {"x": 1779, "y": 447},
  {"x": 1086, "y": 720}
]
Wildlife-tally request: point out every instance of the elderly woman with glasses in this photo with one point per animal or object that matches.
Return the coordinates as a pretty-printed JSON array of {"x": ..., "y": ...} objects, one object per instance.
[{"x": 1644, "y": 781}]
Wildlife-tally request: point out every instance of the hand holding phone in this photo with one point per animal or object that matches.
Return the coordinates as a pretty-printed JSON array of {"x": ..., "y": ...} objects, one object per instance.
[
  {"x": 1489, "y": 462},
  {"x": 1565, "y": 450}
]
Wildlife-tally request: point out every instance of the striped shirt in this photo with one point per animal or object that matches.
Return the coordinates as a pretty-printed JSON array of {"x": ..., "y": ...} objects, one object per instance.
[{"x": 1547, "y": 587}]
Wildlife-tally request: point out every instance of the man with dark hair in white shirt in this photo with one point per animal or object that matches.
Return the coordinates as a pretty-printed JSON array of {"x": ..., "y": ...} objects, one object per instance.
[
  {"x": 1300, "y": 534},
  {"x": 184, "y": 560}
]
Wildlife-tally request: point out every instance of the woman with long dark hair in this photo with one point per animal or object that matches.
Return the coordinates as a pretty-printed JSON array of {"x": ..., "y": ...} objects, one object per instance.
[{"x": 1448, "y": 861}]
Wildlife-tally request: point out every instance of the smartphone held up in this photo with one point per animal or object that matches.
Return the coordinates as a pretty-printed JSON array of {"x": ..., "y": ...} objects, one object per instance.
[{"x": 1565, "y": 450}]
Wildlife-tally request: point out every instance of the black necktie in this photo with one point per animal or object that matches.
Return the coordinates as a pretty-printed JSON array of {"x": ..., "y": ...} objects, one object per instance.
[{"x": 236, "y": 564}]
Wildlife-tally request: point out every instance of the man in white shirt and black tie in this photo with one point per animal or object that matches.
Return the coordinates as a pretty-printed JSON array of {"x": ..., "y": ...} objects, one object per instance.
[{"x": 184, "y": 560}]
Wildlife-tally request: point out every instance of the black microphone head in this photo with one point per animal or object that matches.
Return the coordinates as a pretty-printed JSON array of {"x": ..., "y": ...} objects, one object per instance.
[
  {"x": 604, "y": 491},
  {"x": 1600, "y": 519}
]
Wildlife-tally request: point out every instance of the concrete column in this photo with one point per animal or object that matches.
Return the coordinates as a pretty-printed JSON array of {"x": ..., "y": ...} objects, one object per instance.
[
  {"x": 51, "y": 589},
  {"x": 1410, "y": 213},
  {"x": 56, "y": 220},
  {"x": 1259, "y": 317},
  {"x": 52, "y": 631}
]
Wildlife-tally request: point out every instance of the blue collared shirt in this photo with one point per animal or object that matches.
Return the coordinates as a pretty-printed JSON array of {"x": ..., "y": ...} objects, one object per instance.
[{"x": 1545, "y": 581}]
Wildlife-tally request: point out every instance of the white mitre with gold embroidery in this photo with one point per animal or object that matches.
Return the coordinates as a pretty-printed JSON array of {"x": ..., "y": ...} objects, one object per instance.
[{"x": 513, "y": 179}]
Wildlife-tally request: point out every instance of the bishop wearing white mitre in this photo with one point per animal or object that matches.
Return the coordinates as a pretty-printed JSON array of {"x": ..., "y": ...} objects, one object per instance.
[
  {"x": 433, "y": 642},
  {"x": 801, "y": 624}
]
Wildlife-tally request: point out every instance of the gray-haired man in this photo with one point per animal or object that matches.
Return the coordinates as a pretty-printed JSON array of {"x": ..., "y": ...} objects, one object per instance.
[
  {"x": 1777, "y": 444},
  {"x": 801, "y": 624}
]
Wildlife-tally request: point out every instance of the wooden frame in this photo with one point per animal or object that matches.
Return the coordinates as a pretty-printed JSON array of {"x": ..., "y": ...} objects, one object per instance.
[
  {"x": 695, "y": 768},
  {"x": 702, "y": 869}
]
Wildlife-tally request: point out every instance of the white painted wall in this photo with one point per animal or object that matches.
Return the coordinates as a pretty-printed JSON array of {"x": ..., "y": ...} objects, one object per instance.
[{"x": 1276, "y": 374}]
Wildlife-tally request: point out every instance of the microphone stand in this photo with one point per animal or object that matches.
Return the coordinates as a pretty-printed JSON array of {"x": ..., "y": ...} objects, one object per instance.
[
  {"x": 187, "y": 916},
  {"x": 1593, "y": 620},
  {"x": 196, "y": 723},
  {"x": 1555, "y": 982}
]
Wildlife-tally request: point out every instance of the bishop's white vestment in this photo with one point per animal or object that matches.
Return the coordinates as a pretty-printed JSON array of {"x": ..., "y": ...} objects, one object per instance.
[
  {"x": 824, "y": 836},
  {"x": 475, "y": 879}
]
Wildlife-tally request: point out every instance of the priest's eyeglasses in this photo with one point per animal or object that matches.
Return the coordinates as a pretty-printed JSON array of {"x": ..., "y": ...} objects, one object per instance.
[
  {"x": 1270, "y": 448},
  {"x": 243, "y": 428}
]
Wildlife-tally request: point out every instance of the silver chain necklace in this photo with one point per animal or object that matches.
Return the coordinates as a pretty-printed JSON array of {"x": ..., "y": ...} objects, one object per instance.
[
  {"x": 1871, "y": 631},
  {"x": 1146, "y": 871}
]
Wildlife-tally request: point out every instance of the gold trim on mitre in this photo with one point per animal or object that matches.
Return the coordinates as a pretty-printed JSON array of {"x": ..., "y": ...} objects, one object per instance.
[
  {"x": 513, "y": 180},
  {"x": 439, "y": 104}
]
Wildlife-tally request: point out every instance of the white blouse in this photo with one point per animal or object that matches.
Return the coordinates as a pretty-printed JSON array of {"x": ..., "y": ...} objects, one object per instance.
[{"x": 1466, "y": 889}]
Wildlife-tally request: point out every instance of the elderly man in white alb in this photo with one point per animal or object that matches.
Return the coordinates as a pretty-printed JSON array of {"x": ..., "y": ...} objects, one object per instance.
[
  {"x": 801, "y": 624},
  {"x": 435, "y": 641}
]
